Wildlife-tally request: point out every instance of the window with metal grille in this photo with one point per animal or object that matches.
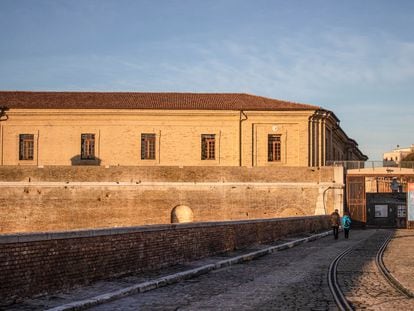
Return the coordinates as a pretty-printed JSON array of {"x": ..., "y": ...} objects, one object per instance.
[
  {"x": 87, "y": 146},
  {"x": 273, "y": 148},
  {"x": 26, "y": 146},
  {"x": 147, "y": 146},
  {"x": 208, "y": 147}
]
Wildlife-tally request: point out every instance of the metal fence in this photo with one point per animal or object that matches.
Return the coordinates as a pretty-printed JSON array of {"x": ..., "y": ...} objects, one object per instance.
[{"x": 374, "y": 165}]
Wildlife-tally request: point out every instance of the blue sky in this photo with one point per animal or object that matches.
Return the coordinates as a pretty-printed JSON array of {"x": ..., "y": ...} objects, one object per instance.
[{"x": 353, "y": 57}]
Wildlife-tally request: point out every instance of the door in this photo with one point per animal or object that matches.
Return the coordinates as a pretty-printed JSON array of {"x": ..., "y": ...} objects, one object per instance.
[{"x": 356, "y": 198}]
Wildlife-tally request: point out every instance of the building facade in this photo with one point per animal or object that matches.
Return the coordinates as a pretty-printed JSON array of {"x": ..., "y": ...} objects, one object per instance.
[
  {"x": 74, "y": 160},
  {"x": 167, "y": 129},
  {"x": 395, "y": 156}
]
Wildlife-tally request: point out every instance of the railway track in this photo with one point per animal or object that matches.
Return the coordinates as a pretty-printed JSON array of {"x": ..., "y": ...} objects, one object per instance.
[{"x": 358, "y": 278}]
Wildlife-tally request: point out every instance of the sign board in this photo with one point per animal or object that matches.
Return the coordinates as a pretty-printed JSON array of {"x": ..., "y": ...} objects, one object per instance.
[
  {"x": 410, "y": 202},
  {"x": 381, "y": 211}
]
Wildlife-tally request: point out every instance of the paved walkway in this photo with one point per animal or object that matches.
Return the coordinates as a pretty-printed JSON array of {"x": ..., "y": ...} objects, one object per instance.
[
  {"x": 399, "y": 259},
  {"x": 111, "y": 289}
]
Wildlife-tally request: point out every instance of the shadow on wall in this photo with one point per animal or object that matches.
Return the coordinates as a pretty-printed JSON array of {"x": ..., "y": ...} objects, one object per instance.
[{"x": 77, "y": 160}]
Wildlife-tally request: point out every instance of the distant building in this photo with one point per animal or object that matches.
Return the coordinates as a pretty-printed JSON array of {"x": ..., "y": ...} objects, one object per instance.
[
  {"x": 397, "y": 155},
  {"x": 167, "y": 129}
]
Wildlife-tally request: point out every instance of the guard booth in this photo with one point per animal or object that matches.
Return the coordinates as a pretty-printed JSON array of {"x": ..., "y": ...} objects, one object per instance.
[{"x": 377, "y": 197}]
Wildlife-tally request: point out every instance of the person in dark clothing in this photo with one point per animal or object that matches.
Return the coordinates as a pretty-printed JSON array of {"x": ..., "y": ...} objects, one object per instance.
[
  {"x": 335, "y": 221},
  {"x": 346, "y": 224}
]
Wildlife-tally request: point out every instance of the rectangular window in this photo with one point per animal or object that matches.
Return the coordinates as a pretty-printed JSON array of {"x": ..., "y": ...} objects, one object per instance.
[
  {"x": 381, "y": 211},
  {"x": 147, "y": 146},
  {"x": 26, "y": 146},
  {"x": 88, "y": 147},
  {"x": 208, "y": 147},
  {"x": 273, "y": 148}
]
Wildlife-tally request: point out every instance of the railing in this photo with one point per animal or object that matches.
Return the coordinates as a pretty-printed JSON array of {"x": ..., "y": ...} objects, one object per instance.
[{"x": 390, "y": 166}]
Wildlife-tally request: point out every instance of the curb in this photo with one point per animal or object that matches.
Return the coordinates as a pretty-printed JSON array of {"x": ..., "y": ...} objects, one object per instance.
[{"x": 177, "y": 277}]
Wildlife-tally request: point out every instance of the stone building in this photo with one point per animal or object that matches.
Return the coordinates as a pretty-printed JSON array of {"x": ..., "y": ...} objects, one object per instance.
[
  {"x": 396, "y": 155},
  {"x": 74, "y": 160},
  {"x": 167, "y": 129}
]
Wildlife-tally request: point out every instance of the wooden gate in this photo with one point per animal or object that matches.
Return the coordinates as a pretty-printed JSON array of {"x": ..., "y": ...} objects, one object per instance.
[{"x": 356, "y": 199}]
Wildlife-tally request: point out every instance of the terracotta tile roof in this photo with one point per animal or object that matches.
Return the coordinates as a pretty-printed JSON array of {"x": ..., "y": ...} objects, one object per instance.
[{"x": 134, "y": 100}]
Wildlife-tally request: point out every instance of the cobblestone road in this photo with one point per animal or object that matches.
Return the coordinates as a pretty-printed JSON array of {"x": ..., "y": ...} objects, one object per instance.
[
  {"x": 293, "y": 279},
  {"x": 362, "y": 282}
]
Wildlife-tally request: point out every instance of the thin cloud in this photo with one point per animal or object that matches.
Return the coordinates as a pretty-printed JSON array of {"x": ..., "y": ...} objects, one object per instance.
[{"x": 290, "y": 66}]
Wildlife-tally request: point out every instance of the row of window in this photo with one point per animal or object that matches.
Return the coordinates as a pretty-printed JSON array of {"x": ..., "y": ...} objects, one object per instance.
[
  {"x": 208, "y": 147},
  {"x": 391, "y": 159}
]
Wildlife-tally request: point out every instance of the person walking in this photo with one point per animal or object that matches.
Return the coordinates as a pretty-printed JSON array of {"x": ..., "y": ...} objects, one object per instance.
[
  {"x": 335, "y": 221},
  {"x": 346, "y": 224}
]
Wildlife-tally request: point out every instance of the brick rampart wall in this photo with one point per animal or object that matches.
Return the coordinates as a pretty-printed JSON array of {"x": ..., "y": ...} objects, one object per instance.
[
  {"x": 33, "y": 264},
  {"x": 71, "y": 198}
]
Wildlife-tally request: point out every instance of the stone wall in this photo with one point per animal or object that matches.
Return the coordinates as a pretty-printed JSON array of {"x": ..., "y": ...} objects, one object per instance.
[
  {"x": 165, "y": 174},
  {"x": 67, "y": 198},
  {"x": 32, "y": 264}
]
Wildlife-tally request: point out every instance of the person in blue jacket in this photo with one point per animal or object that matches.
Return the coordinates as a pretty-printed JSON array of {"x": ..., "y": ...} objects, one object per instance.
[{"x": 346, "y": 224}]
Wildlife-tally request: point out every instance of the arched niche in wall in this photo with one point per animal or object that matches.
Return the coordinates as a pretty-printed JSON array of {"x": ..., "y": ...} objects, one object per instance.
[{"x": 182, "y": 214}]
